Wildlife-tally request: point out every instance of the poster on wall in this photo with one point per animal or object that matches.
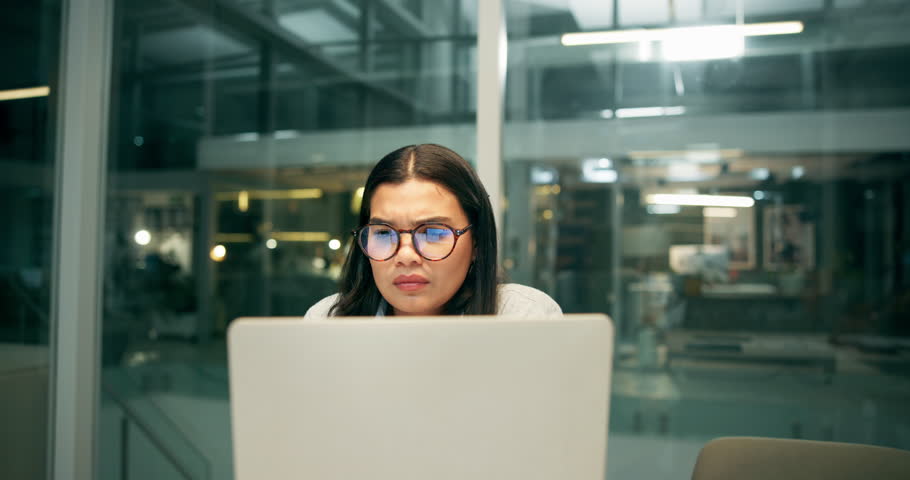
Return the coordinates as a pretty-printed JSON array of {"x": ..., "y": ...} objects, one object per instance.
[
  {"x": 733, "y": 228},
  {"x": 789, "y": 238}
]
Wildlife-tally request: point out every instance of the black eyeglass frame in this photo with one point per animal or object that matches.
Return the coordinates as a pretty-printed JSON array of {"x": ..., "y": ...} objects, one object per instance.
[{"x": 458, "y": 233}]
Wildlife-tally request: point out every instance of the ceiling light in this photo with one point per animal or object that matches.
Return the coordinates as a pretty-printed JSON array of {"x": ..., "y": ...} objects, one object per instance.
[
  {"x": 301, "y": 236},
  {"x": 142, "y": 237},
  {"x": 663, "y": 209},
  {"x": 662, "y": 34},
  {"x": 218, "y": 253},
  {"x": 21, "y": 93},
  {"x": 649, "y": 112},
  {"x": 699, "y": 200},
  {"x": 703, "y": 46}
]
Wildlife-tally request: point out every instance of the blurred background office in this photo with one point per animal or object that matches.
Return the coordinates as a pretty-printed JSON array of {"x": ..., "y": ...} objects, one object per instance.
[{"x": 728, "y": 179}]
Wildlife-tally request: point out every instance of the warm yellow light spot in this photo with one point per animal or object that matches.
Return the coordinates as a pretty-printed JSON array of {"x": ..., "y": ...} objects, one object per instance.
[
  {"x": 21, "y": 93},
  {"x": 302, "y": 236},
  {"x": 243, "y": 201},
  {"x": 218, "y": 253},
  {"x": 293, "y": 194}
]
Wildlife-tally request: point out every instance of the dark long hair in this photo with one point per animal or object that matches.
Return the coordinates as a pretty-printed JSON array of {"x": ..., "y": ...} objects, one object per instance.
[{"x": 359, "y": 295}]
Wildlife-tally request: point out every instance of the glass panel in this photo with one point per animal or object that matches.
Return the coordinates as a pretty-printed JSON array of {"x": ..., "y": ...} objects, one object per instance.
[
  {"x": 741, "y": 213},
  {"x": 240, "y": 137},
  {"x": 29, "y": 44}
]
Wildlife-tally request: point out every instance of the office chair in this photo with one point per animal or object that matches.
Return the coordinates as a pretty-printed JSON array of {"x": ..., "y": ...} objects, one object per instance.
[{"x": 752, "y": 458}]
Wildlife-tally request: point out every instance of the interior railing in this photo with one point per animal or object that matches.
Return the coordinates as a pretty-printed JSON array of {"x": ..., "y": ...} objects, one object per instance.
[{"x": 159, "y": 429}]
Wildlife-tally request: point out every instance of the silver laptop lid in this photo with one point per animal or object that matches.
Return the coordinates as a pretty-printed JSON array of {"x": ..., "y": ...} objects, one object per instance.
[{"x": 420, "y": 398}]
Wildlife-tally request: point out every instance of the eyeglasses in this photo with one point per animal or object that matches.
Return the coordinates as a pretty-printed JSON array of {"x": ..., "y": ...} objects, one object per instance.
[{"x": 433, "y": 241}]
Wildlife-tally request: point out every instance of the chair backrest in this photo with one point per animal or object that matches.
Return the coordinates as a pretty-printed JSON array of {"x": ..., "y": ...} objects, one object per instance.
[{"x": 752, "y": 458}]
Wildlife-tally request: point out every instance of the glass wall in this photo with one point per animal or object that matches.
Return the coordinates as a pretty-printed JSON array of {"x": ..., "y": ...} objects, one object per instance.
[
  {"x": 736, "y": 199},
  {"x": 240, "y": 134},
  {"x": 29, "y": 42}
]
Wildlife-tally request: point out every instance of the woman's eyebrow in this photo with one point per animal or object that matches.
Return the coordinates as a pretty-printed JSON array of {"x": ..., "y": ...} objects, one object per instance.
[
  {"x": 434, "y": 220},
  {"x": 416, "y": 222}
]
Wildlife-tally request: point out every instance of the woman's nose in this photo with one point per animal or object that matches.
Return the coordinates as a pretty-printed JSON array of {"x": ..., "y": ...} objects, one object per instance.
[{"x": 406, "y": 251}]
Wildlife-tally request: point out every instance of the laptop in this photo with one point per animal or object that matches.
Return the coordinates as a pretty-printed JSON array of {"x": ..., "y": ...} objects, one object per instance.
[{"x": 441, "y": 398}]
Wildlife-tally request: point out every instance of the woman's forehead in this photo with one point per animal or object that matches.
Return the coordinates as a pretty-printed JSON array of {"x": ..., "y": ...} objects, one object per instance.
[{"x": 414, "y": 200}]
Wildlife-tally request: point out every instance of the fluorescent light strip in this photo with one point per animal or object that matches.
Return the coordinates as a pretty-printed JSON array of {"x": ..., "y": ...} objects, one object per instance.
[
  {"x": 699, "y": 200},
  {"x": 648, "y": 112},
  {"x": 24, "y": 93},
  {"x": 659, "y": 34},
  {"x": 293, "y": 194},
  {"x": 722, "y": 153},
  {"x": 301, "y": 236}
]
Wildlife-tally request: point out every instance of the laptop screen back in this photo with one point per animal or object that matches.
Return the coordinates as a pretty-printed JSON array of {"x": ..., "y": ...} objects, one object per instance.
[{"x": 420, "y": 398}]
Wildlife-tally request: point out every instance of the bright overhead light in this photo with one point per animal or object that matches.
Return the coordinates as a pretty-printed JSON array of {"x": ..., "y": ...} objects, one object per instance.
[
  {"x": 759, "y": 173},
  {"x": 693, "y": 155},
  {"x": 246, "y": 137},
  {"x": 285, "y": 134},
  {"x": 699, "y": 200},
  {"x": 243, "y": 201},
  {"x": 663, "y": 34},
  {"x": 271, "y": 244},
  {"x": 649, "y": 112},
  {"x": 706, "y": 45},
  {"x": 544, "y": 175},
  {"x": 598, "y": 170},
  {"x": 142, "y": 237},
  {"x": 21, "y": 93},
  {"x": 645, "y": 51},
  {"x": 218, "y": 253},
  {"x": 334, "y": 244},
  {"x": 663, "y": 209}
]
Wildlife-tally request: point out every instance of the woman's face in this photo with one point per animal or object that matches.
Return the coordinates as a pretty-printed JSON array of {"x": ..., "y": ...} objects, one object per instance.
[{"x": 412, "y": 284}]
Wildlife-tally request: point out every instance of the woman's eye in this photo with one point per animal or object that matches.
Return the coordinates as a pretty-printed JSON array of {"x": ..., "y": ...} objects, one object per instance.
[{"x": 435, "y": 234}]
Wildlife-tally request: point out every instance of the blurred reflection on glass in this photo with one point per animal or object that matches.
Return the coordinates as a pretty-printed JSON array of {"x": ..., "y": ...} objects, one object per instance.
[
  {"x": 735, "y": 196},
  {"x": 241, "y": 135},
  {"x": 29, "y": 35}
]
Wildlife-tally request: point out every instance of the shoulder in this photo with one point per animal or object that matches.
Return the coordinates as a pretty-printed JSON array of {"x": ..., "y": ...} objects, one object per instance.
[
  {"x": 320, "y": 310},
  {"x": 515, "y": 299}
]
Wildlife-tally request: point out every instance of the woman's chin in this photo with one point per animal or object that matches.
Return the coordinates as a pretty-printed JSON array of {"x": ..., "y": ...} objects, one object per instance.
[{"x": 408, "y": 306}]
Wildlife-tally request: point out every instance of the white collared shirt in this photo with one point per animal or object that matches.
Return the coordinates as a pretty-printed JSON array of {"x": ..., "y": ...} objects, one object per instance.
[{"x": 514, "y": 299}]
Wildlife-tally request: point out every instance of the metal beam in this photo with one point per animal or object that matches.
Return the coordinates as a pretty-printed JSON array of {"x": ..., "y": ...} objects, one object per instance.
[
  {"x": 264, "y": 29},
  {"x": 491, "y": 75},
  {"x": 400, "y": 19},
  {"x": 82, "y": 102}
]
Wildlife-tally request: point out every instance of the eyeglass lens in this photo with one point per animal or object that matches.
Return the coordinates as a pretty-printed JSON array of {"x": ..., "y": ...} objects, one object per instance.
[{"x": 433, "y": 242}]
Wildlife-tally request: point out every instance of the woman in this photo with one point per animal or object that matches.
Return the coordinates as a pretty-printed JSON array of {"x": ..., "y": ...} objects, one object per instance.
[{"x": 427, "y": 245}]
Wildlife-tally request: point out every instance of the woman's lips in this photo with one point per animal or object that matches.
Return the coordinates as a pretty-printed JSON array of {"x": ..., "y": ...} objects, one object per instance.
[{"x": 410, "y": 283}]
